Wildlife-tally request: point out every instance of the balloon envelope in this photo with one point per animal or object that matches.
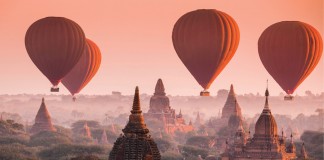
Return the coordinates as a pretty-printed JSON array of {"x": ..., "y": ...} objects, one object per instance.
[
  {"x": 290, "y": 50},
  {"x": 84, "y": 70},
  {"x": 205, "y": 41},
  {"x": 55, "y": 45}
]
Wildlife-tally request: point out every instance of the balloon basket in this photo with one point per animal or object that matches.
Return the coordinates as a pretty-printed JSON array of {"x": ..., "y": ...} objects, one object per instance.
[
  {"x": 289, "y": 97},
  {"x": 55, "y": 89},
  {"x": 204, "y": 93},
  {"x": 74, "y": 99}
]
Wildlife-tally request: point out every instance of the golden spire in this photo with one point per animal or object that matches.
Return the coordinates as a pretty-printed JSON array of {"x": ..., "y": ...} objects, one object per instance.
[
  {"x": 136, "y": 123},
  {"x": 266, "y": 109},
  {"x": 136, "y": 109}
]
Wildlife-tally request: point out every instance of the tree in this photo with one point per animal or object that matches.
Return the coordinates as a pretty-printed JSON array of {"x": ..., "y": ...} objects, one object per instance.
[
  {"x": 48, "y": 138},
  {"x": 64, "y": 151},
  {"x": 171, "y": 156},
  {"x": 314, "y": 143},
  {"x": 16, "y": 152},
  {"x": 199, "y": 141},
  {"x": 163, "y": 145},
  {"x": 192, "y": 151}
]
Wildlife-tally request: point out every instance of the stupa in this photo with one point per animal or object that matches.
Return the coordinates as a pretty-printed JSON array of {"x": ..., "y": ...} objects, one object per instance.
[
  {"x": 135, "y": 143},
  {"x": 43, "y": 120}
]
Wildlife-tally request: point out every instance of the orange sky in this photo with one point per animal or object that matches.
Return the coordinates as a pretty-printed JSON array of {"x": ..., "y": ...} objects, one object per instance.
[{"x": 136, "y": 45}]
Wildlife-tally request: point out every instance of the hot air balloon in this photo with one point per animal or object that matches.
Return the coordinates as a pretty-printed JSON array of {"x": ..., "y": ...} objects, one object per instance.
[
  {"x": 55, "y": 45},
  {"x": 84, "y": 70},
  {"x": 290, "y": 50},
  {"x": 205, "y": 41}
]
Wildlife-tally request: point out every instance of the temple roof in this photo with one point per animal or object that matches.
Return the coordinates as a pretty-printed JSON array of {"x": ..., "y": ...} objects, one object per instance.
[
  {"x": 159, "y": 88},
  {"x": 43, "y": 120},
  {"x": 136, "y": 123},
  {"x": 266, "y": 124},
  {"x": 231, "y": 106}
]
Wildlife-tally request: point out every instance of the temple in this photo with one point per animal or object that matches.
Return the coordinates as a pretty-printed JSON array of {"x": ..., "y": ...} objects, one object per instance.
[
  {"x": 103, "y": 139},
  {"x": 135, "y": 143},
  {"x": 228, "y": 121},
  {"x": 43, "y": 120},
  {"x": 161, "y": 111},
  {"x": 231, "y": 114},
  {"x": 86, "y": 131},
  {"x": 265, "y": 143}
]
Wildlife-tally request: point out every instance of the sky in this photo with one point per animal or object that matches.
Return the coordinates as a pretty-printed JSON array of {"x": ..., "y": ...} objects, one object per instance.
[{"x": 136, "y": 45}]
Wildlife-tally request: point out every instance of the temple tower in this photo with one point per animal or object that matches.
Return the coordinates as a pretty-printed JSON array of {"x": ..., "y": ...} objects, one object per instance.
[
  {"x": 135, "y": 143},
  {"x": 43, "y": 120}
]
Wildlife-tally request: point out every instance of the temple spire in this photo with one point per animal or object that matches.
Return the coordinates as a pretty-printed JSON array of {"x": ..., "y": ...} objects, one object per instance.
[
  {"x": 266, "y": 109},
  {"x": 136, "y": 123},
  {"x": 159, "y": 88},
  {"x": 104, "y": 139},
  {"x": 136, "y": 109},
  {"x": 231, "y": 92},
  {"x": 303, "y": 153},
  {"x": 43, "y": 120}
]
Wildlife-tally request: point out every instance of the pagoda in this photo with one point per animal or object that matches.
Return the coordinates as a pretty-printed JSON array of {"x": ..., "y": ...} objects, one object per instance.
[
  {"x": 161, "y": 111},
  {"x": 43, "y": 120},
  {"x": 86, "y": 132},
  {"x": 265, "y": 143},
  {"x": 135, "y": 143},
  {"x": 103, "y": 139}
]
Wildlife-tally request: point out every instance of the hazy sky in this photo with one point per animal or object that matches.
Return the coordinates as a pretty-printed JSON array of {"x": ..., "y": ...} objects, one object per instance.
[{"x": 136, "y": 45}]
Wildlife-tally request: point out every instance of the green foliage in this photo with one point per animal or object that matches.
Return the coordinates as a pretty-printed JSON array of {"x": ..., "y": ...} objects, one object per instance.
[
  {"x": 80, "y": 139},
  {"x": 314, "y": 143},
  {"x": 63, "y": 130},
  {"x": 9, "y": 139},
  {"x": 223, "y": 132},
  {"x": 9, "y": 127},
  {"x": 192, "y": 151},
  {"x": 163, "y": 144},
  {"x": 47, "y": 138},
  {"x": 69, "y": 150},
  {"x": 171, "y": 156},
  {"x": 16, "y": 152},
  {"x": 97, "y": 133},
  {"x": 199, "y": 141},
  {"x": 87, "y": 157}
]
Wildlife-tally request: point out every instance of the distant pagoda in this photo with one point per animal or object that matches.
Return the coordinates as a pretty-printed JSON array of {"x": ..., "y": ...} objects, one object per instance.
[
  {"x": 135, "y": 143},
  {"x": 265, "y": 143},
  {"x": 161, "y": 111},
  {"x": 42, "y": 121},
  {"x": 103, "y": 139},
  {"x": 86, "y": 132},
  {"x": 231, "y": 106},
  {"x": 231, "y": 115}
]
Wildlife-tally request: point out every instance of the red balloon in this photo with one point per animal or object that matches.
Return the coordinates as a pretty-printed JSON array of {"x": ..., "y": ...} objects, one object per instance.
[
  {"x": 55, "y": 45},
  {"x": 84, "y": 70},
  {"x": 205, "y": 41},
  {"x": 290, "y": 50}
]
